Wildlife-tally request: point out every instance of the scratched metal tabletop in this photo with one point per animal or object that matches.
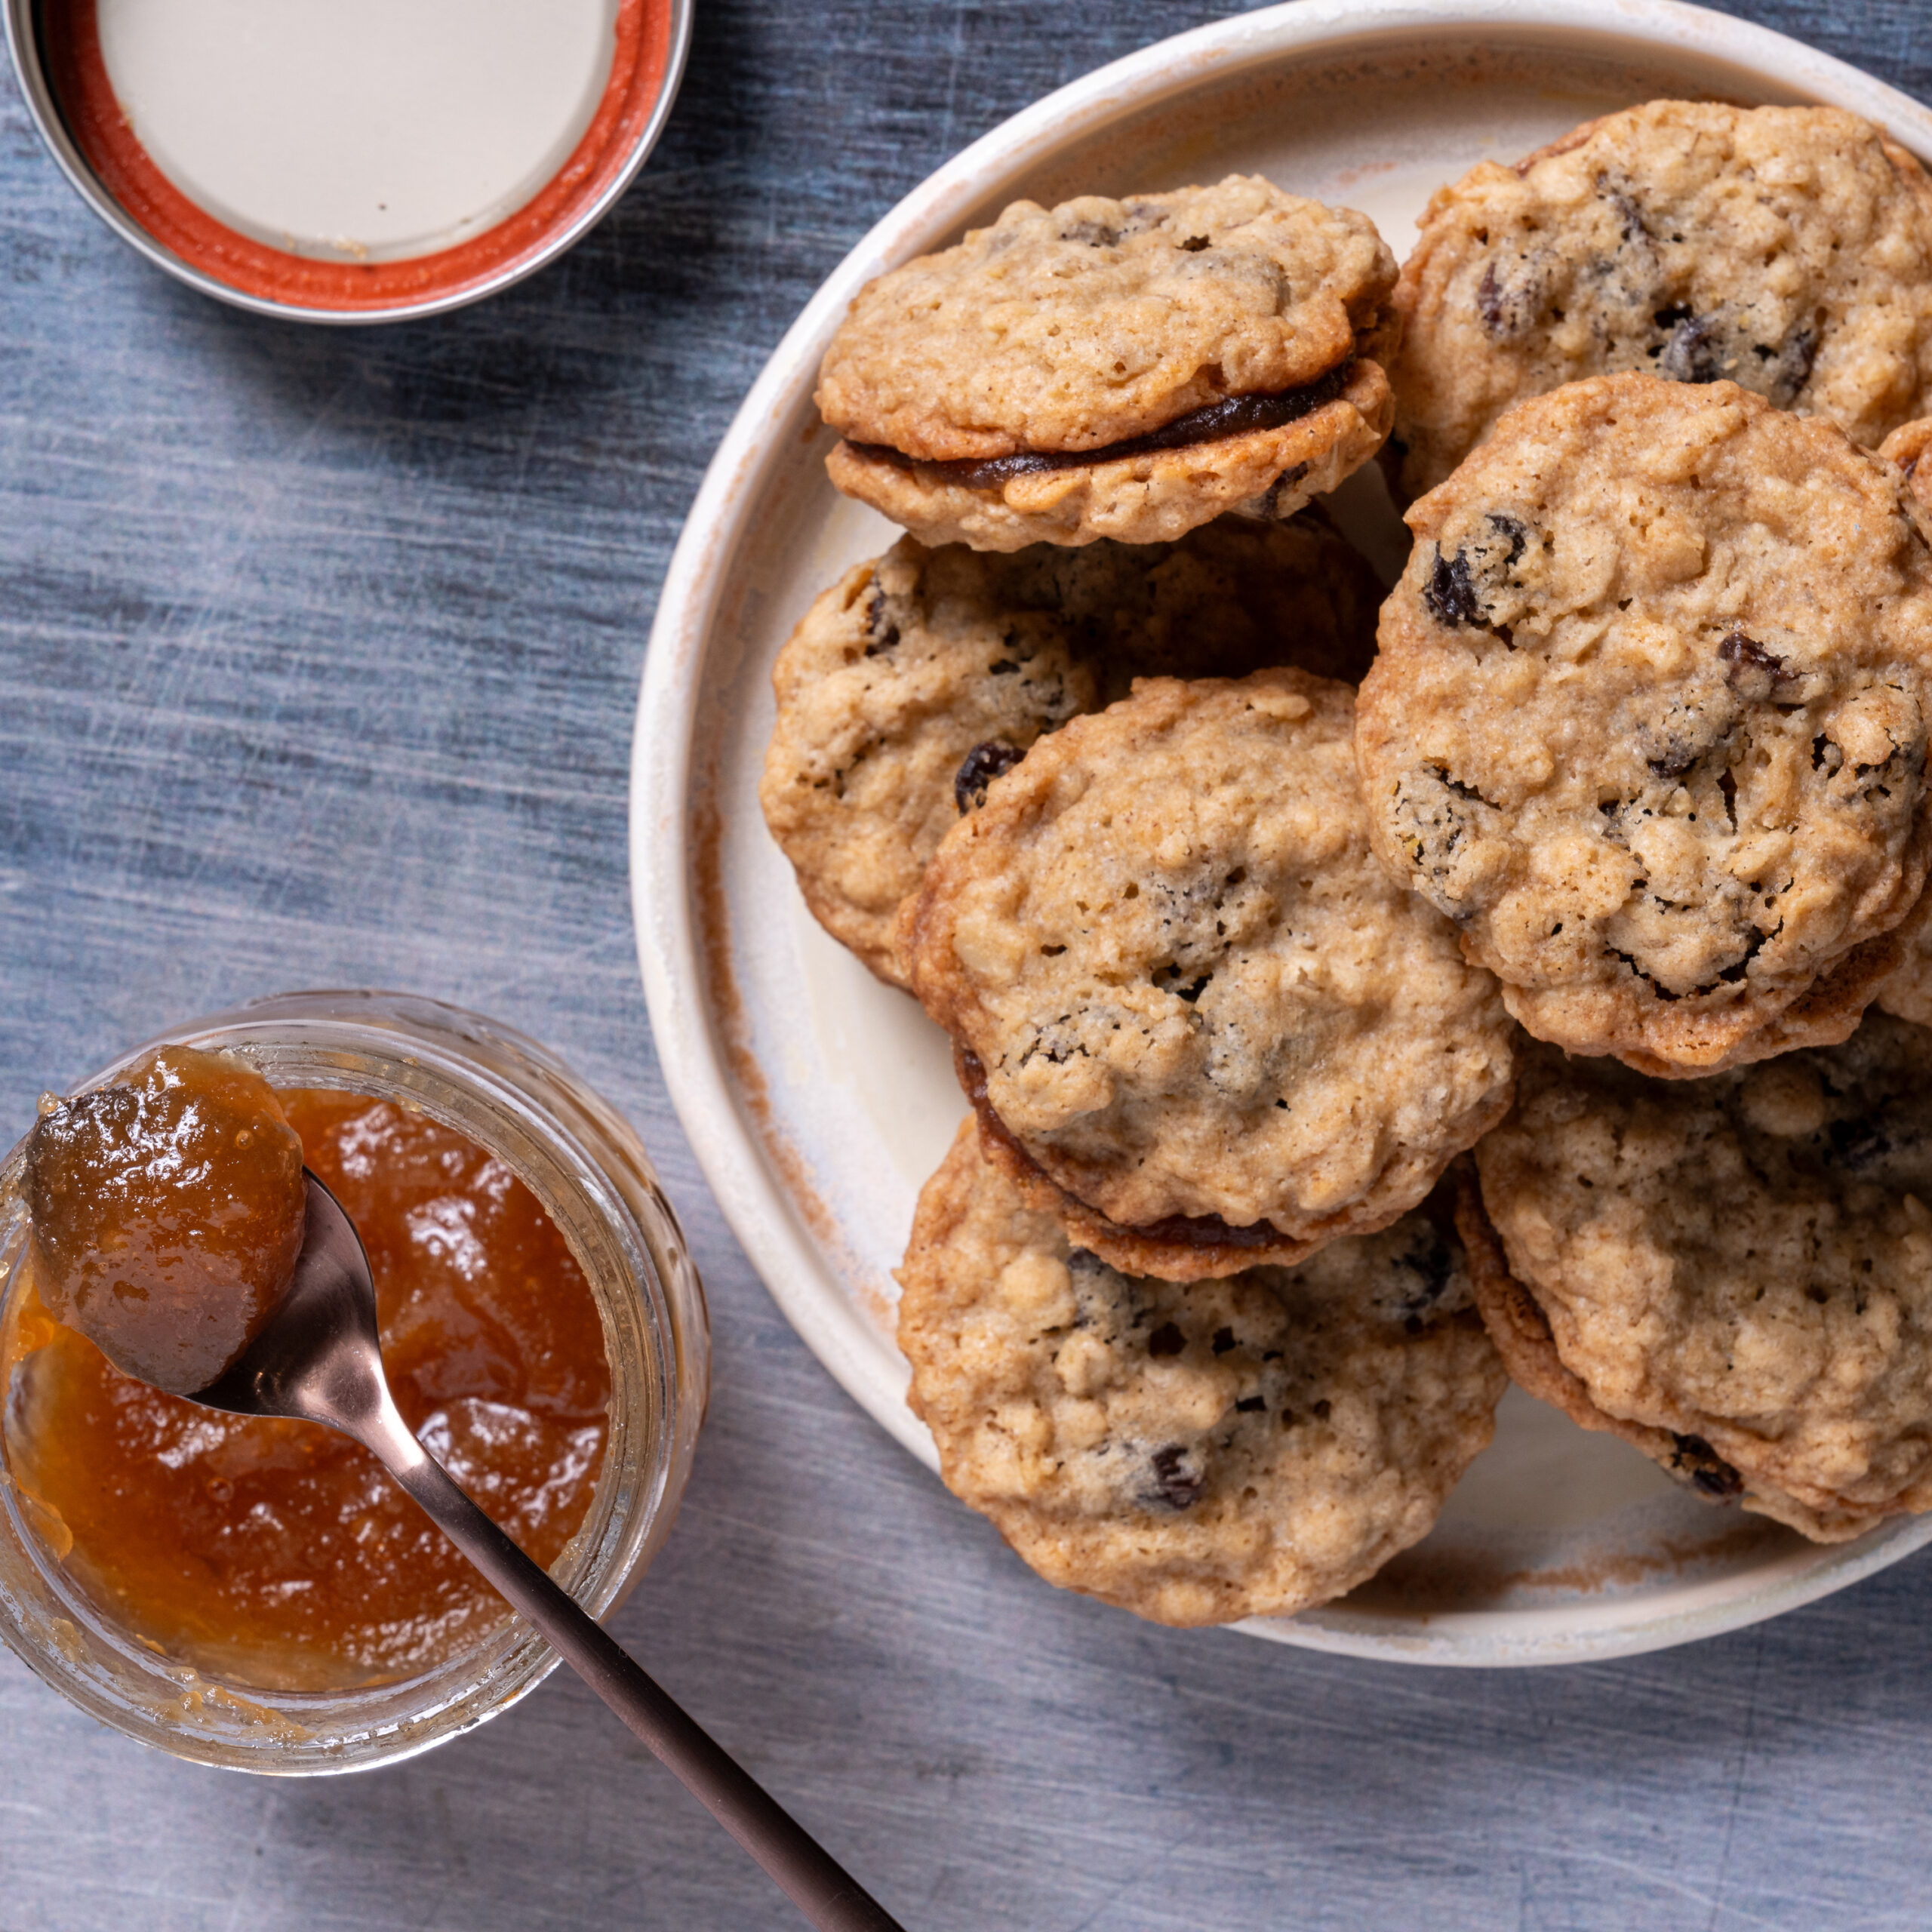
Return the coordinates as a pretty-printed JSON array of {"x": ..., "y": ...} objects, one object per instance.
[{"x": 320, "y": 650}]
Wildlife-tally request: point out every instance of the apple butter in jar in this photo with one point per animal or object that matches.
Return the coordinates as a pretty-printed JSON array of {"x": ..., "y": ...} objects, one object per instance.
[{"x": 270, "y": 1570}]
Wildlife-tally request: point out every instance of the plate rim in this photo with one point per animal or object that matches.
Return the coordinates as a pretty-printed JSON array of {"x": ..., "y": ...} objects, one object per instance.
[{"x": 761, "y": 1213}]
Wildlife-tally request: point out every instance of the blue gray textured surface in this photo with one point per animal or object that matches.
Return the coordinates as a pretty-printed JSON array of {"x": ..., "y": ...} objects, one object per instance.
[{"x": 320, "y": 655}]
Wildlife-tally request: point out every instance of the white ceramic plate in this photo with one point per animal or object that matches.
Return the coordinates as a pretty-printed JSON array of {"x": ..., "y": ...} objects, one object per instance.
[{"x": 818, "y": 1100}]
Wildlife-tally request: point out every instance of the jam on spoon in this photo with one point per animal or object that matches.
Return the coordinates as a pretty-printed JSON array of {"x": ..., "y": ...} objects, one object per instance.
[
  {"x": 167, "y": 1213},
  {"x": 272, "y": 1555}
]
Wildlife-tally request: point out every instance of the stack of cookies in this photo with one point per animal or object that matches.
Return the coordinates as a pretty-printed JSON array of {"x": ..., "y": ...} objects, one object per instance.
[{"x": 1250, "y": 909}]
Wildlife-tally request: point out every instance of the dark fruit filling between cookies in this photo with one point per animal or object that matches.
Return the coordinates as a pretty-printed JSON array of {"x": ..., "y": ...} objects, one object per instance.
[{"x": 1233, "y": 416}]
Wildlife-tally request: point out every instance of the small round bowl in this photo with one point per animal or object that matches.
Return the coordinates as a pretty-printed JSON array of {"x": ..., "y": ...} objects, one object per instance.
[
  {"x": 274, "y": 262},
  {"x": 588, "y": 1169}
]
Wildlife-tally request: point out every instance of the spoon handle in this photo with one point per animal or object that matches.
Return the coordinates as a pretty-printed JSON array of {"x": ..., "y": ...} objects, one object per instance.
[{"x": 829, "y": 1896}]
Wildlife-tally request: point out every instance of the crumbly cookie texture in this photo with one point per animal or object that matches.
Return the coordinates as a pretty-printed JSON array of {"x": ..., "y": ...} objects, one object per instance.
[
  {"x": 1243, "y": 1446},
  {"x": 1746, "y": 1259},
  {"x": 1193, "y": 989},
  {"x": 1788, "y": 249},
  {"x": 1070, "y": 328},
  {"x": 1522, "y": 1333},
  {"x": 1648, "y": 720},
  {"x": 1139, "y": 495},
  {"x": 914, "y": 682}
]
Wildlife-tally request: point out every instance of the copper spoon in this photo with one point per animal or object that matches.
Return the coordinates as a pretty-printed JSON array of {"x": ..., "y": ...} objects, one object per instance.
[{"x": 319, "y": 1360}]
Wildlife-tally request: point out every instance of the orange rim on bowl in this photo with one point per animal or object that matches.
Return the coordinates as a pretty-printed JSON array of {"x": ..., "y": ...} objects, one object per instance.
[{"x": 62, "y": 50}]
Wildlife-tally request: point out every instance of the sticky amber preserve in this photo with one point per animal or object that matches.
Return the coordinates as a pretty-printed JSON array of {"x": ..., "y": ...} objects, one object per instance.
[
  {"x": 167, "y": 1213},
  {"x": 278, "y": 1554}
]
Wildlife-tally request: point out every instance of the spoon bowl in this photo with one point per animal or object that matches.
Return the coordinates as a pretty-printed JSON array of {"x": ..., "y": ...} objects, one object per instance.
[{"x": 319, "y": 1357}]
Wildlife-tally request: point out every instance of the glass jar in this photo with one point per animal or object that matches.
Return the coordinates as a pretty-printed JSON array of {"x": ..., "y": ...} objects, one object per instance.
[{"x": 586, "y": 1166}]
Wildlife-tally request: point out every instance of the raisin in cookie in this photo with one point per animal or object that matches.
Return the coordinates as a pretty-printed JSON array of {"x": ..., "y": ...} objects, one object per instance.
[
  {"x": 1193, "y": 989},
  {"x": 1649, "y": 718},
  {"x": 1788, "y": 249},
  {"x": 1744, "y": 1260},
  {"x": 914, "y": 682},
  {"x": 1243, "y": 1446},
  {"x": 1123, "y": 369}
]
